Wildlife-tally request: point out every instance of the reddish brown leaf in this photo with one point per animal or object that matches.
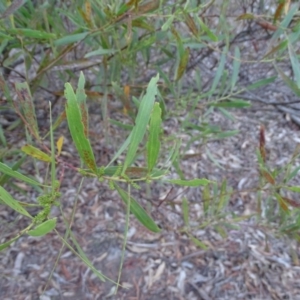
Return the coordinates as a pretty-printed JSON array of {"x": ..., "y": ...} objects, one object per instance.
[
  {"x": 148, "y": 6},
  {"x": 267, "y": 25},
  {"x": 282, "y": 203},
  {"x": 268, "y": 176},
  {"x": 278, "y": 11},
  {"x": 262, "y": 142},
  {"x": 189, "y": 21},
  {"x": 291, "y": 202}
]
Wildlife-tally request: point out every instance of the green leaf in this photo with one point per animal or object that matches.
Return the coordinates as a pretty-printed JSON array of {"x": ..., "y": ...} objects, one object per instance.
[
  {"x": 209, "y": 33},
  {"x": 281, "y": 46},
  {"x": 285, "y": 23},
  {"x": 138, "y": 211},
  {"x": 295, "y": 64},
  {"x": 236, "y": 67},
  {"x": 261, "y": 83},
  {"x": 76, "y": 126},
  {"x": 153, "y": 144},
  {"x": 81, "y": 99},
  {"x": 100, "y": 52},
  {"x": 224, "y": 196},
  {"x": 232, "y": 103},
  {"x": 121, "y": 149},
  {"x": 10, "y": 172},
  {"x": 168, "y": 23},
  {"x": 8, "y": 243},
  {"x": 219, "y": 72},
  {"x": 292, "y": 174},
  {"x": 193, "y": 183},
  {"x": 222, "y": 232},
  {"x": 185, "y": 211},
  {"x": 226, "y": 114},
  {"x": 226, "y": 134},
  {"x": 142, "y": 24},
  {"x": 70, "y": 39},
  {"x": 141, "y": 121},
  {"x": 198, "y": 243},
  {"x": 206, "y": 199},
  {"x": 145, "y": 43},
  {"x": 30, "y": 33},
  {"x": 12, "y": 203},
  {"x": 43, "y": 228},
  {"x": 290, "y": 83},
  {"x": 293, "y": 188},
  {"x": 36, "y": 153}
]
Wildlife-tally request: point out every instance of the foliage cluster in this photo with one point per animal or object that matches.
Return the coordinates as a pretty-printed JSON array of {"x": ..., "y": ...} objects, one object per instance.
[{"x": 111, "y": 42}]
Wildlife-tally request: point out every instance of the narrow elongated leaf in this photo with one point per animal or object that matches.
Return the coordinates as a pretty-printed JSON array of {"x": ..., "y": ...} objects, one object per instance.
[
  {"x": 269, "y": 177},
  {"x": 185, "y": 211},
  {"x": 278, "y": 12},
  {"x": 8, "y": 243},
  {"x": 198, "y": 243},
  {"x": 137, "y": 210},
  {"x": 193, "y": 183},
  {"x": 31, "y": 33},
  {"x": 282, "y": 203},
  {"x": 12, "y": 203},
  {"x": 10, "y": 172},
  {"x": 281, "y": 46},
  {"x": 236, "y": 67},
  {"x": 44, "y": 228},
  {"x": 295, "y": 64},
  {"x": 121, "y": 149},
  {"x": 293, "y": 174},
  {"x": 148, "y": 6},
  {"x": 209, "y": 33},
  {"x": 232, "y": 103},
  {"x": 59, "y": 145},
  {"x": 36, "y": 153},
  {"x": 293, "y": 188},
  {"x": 189, "y": 21},
  {"x": 100, "y": 52},
  {"x": 168, "y": 23},
  {"x": 184, "y": 59},
  {"x": 81, "y": 99},
  {"x": 226, "y": 134},
  {"x": 15, "y": 5},
  {"x": 223, "y": 199},
  {"x": 27, "y": 107},
  {"x": 261, "y": 83},
  {"x": 145, "y": 43},
  {"x": 153, "y": 144},
  {"x": 221, "y": 231},
  {"x": 76, "y": 127},
  {"x": 206, "y": 199},
  {"x": 141, "y": 121},
  {"x": 219, "y": 72},
  {"x": 290, "y": 83},
  {"x": 142, "y": 24},
  {"x": 291, "y": 202},
  {"x": 285, "y": 22},
  {"x": 70, "y": 39},
  {"x": 245, "y": 17}
]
